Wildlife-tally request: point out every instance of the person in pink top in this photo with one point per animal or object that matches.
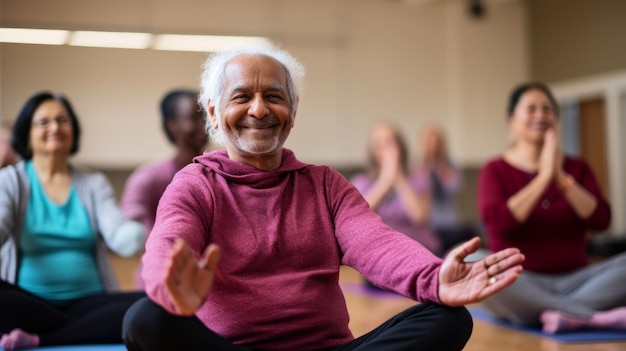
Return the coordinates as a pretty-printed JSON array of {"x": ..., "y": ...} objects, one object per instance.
[
  {"x": 183, "y": 125},
  {"x": 248, "y": 241},
  {"x": 402, "y": 201},
  {"x": 544, "y": 203},
  {"x": 444, "y": 179}
]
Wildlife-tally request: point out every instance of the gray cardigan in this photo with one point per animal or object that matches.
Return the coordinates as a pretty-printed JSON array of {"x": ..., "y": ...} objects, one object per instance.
[{"x": 113, "y": 230}]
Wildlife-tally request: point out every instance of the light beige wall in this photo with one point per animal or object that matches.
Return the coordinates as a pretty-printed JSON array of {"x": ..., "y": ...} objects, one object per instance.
[
  {"x": 114, "y": 92},
  {"x": 576, "y": 38},
  {"x": 485, "y": 59},
  {"x": 367, "y": 61}
]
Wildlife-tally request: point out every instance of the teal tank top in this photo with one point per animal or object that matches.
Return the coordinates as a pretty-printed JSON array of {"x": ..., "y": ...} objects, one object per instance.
[{"x": 57, "y": 246}]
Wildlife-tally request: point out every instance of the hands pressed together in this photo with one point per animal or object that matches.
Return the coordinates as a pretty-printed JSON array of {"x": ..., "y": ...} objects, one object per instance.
[
  {"x": 551, "y": 158},
  {"x": 391, "y": 166}
]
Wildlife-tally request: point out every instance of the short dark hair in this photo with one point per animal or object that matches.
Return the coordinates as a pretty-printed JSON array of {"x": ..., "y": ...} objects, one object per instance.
[
  {"x": 21, "y": 128},
  {"x": 169, "y": 105},
  {"x": 519, "y": 91}
]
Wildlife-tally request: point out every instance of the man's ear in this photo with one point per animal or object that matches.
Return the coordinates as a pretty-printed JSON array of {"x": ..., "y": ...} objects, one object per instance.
[{"x": 211, "y": 113}]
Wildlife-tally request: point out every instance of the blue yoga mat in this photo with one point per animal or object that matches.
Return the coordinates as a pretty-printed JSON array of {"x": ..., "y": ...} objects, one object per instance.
[
  {"x": 113, "y": 347},
  {"x": 581, "y": 336}
]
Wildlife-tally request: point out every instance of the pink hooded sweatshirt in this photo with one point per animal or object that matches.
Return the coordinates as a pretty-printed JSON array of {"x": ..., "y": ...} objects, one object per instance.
[{"x": 283, "y": 235}]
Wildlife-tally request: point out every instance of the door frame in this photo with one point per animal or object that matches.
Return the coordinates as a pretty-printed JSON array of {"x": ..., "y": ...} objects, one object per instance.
[{"x": 612, "y": 88}]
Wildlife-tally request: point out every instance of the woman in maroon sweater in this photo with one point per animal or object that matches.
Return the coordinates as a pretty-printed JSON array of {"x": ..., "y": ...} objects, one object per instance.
[{"x": 544, "y": 203}]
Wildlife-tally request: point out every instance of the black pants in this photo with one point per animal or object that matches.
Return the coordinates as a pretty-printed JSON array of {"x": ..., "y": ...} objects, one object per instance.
[
  {"x": 147, "y": 326},
  {"x": 90, "y": 320}
]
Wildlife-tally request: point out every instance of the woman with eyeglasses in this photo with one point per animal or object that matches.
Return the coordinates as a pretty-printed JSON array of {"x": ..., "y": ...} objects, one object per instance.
[{"x": 56, "y": 223}]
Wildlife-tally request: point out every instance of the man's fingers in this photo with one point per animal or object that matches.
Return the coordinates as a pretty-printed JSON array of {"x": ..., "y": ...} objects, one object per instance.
[
  {"x": 180, "y": 255},
  {"x": 211, "y": 257},
  {"x": 503, "y": 255},
  {"x": 501, "y": 281},
  {"x": 465, "y": 249},
  {"x": 182, "y": 258},
  {"x": 503, "y": 261}
]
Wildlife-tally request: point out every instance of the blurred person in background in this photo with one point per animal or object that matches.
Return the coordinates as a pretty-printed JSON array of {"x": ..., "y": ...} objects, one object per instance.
[
  {"x": 183, "y": 124},
  {"x": 56, "y": 223},
  {"x": 535, "y": 198},
  {"x": 403, "y": 202},
  {"x": 444, "y": 179}
]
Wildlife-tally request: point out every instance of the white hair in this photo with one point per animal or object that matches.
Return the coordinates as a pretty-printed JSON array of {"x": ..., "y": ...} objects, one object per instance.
[{"x": 212, "y": 79}]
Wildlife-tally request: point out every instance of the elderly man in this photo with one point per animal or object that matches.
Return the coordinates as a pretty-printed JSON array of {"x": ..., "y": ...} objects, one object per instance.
[{"x": 248, "y": 241}]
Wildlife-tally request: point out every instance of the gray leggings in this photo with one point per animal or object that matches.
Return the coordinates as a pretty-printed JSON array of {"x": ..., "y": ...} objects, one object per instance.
[{"x": 597, "y": 287}]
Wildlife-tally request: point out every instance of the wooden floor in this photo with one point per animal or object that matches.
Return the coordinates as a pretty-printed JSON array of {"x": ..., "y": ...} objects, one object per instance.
[{"x": 367, "y": 311}]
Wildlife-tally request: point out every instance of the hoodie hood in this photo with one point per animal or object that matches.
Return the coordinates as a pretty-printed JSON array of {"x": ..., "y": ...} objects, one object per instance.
[{"x": 237, "y": 172}]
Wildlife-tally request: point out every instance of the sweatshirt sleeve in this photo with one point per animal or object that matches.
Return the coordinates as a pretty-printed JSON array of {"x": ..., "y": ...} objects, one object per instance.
[
  {"x": 184, "y": 211},
  {"x": 385, "y": 257},
  {"x": 492, "y": 203}
]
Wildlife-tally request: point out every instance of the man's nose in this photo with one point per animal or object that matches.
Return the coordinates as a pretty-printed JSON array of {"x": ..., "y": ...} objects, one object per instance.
[{"x": 258, "y": 107}]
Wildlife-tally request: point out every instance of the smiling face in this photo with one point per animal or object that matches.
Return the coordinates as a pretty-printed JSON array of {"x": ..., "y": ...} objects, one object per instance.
[
  {"x": 256, "y": 113},
  {"x": 534, "y": 114},
  {"x": 51, "y": 130}
]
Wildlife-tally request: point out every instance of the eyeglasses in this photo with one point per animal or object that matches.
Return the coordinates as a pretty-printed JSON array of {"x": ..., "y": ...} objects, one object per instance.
[{"x": 47, "y": 123}]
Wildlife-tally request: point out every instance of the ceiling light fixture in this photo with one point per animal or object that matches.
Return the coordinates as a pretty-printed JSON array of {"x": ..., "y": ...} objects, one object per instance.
[
  {"x": 128, "y": 40},
  {"x": 123, "y": 40},
  {"x": 205, "y": 43},
  {"x": 33, "y": 36}
]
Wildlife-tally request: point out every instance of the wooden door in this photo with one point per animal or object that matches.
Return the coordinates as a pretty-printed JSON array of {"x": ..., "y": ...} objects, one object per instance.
[{"x": 593, "y": 140}]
